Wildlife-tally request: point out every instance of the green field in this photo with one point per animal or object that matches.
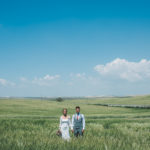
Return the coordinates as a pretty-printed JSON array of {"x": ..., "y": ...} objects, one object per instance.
[{"x": 30, "y": 124}]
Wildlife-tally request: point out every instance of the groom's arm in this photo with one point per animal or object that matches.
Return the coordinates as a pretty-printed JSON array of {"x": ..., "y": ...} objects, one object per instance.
[{"x": 83, "y": 122}]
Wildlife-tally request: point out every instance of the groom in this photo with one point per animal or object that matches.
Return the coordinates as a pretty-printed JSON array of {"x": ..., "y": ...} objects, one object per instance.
[{"x": 78, "y": 123}]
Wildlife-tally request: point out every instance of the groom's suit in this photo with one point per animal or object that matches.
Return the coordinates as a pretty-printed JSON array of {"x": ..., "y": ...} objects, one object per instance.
[{"x": 78, "y": 124}]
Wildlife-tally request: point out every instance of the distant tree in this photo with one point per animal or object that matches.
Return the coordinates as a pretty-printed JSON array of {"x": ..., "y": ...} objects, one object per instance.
[{"x": 59, "y": 99}]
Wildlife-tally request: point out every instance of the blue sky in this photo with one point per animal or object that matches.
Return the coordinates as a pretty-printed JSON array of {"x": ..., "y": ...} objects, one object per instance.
[{"x": 74, "y": 48}]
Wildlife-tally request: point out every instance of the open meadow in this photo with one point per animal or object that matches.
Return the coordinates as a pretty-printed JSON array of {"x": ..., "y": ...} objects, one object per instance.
[{"x": 31, "y": 124}]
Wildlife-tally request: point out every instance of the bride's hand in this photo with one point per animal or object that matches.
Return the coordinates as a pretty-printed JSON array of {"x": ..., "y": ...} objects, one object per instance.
[{"x": 59, "y": 131}]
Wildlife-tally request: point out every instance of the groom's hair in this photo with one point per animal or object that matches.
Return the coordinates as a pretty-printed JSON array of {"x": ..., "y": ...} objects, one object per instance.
[{"x": 77, "y": 107}]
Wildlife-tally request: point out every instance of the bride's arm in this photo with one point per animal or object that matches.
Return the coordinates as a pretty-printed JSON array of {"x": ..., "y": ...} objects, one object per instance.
[
  {"x": 70, "y": 125},
  {"x": 60, "y": 123}
]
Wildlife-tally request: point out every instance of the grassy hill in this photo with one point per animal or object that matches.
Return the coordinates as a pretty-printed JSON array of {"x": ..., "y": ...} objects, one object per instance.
[{"x": 32, "y": 124}]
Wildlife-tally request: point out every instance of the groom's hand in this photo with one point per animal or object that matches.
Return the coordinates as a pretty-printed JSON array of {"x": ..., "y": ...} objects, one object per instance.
[
  {"x": 82, "y": 130},
  {"x": 72, "y": 130}
]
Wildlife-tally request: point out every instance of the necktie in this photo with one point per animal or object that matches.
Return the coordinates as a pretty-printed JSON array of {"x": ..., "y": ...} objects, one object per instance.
[{"x": 77, "y": 117}]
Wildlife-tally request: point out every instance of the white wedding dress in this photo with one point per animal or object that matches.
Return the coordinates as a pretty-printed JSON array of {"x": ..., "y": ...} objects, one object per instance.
[{"x": 65, "y": 124}]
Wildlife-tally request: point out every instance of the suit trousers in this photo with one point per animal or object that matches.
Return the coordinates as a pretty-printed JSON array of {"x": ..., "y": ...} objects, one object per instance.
[{"x": 78, "y": 131}]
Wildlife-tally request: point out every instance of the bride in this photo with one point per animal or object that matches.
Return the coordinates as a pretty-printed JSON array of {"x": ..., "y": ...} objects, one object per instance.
[{"x": 65, "y": 123}]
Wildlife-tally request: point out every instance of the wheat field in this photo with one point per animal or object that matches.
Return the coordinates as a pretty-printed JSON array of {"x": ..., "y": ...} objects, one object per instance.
[{"x": 31, "y": 124}]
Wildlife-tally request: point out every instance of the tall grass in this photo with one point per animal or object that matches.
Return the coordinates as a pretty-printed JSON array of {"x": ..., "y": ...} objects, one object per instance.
[{"x": 32, "y": 125}]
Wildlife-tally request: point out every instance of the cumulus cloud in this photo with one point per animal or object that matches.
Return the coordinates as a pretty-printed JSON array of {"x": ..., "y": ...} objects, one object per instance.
[
  {"x": 83, "y": 78},
  {"x": 46, "y": 80},
  {"x": 123, "y": 69},
  {"x": 5, "y": 82},
  {"x": 48, "y": 77},
  {"x": 78, "y": 75},
  {"x": 23, "y": 79}
]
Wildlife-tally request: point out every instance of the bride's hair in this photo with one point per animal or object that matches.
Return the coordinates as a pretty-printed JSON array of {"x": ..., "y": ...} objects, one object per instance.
[{"x": 64, "y": 109}]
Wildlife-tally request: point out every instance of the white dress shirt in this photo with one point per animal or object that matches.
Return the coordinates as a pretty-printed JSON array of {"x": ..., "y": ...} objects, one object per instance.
[{"x": 83, "y": 120}]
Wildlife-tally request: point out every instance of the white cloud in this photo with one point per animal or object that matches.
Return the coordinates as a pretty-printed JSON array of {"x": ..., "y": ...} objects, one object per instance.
[
  {"x": 5, "y": 82},
  {"x": 48, "y": 77},
  {"x": 123, "y": 69},
  {"x": 78, "y": 75},
  {"x": 46, "y": 80},
  {"x": 23, "y": 79},
  {"x": 82, "y": 78}
]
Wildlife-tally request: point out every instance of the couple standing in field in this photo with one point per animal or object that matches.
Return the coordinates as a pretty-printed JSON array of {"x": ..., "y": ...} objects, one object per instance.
[{"x": 77, "y": 124}]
